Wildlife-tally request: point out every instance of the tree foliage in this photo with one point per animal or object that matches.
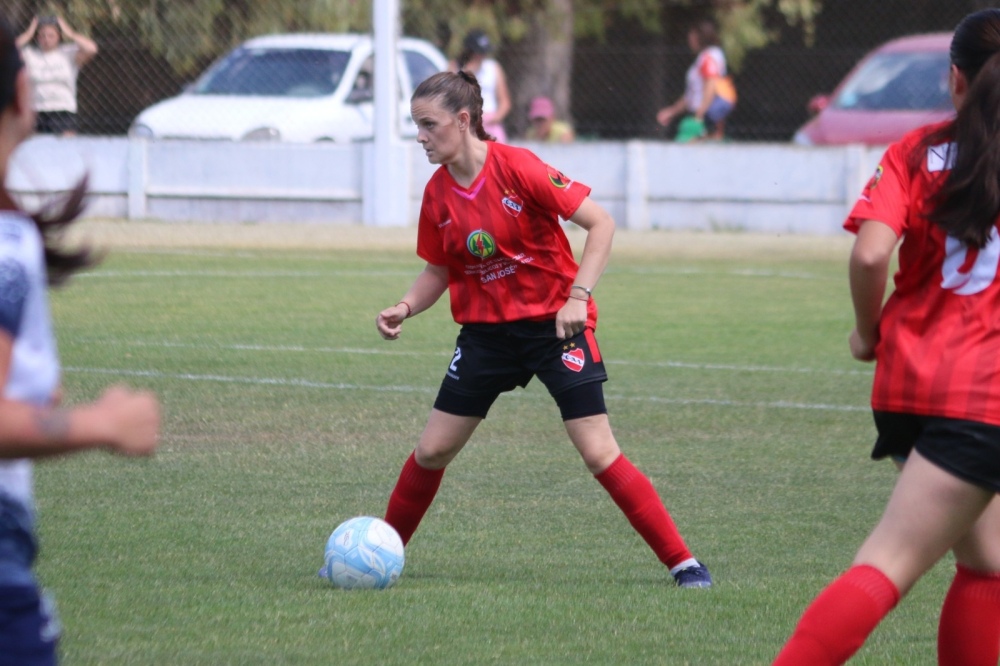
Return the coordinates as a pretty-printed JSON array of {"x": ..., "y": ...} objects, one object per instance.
[{"x": 186, "y": 33}]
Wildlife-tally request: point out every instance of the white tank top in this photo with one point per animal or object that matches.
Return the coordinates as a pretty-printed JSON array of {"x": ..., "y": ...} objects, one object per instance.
[{"x": 487, "y": 77}]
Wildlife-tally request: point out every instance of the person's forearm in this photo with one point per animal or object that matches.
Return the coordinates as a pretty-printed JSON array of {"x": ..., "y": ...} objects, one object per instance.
[
  {"x": 596, "y": 252},
  {"x": 868, "y": 282},
  {"x": 29, "y": 431},
  {"x": 430, "y": 284},
  {"x": 86, "y": 44},
  {"x": 706, "y": 98}
]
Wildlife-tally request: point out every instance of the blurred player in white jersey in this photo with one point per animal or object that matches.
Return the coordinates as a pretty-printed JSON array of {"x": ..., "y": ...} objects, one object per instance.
[{"x": 31, "y": 423}]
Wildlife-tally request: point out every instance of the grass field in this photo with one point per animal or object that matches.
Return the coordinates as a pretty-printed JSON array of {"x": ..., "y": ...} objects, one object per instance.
[{"x": 285, "y": 413}]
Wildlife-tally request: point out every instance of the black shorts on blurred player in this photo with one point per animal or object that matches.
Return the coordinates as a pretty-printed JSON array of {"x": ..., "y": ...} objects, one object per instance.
[{"x": 969, "y": 450}]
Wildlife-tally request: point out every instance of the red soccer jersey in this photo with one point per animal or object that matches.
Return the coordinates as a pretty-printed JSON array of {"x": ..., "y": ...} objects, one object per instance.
[
  {"x": 939, "y": 335},
  {"x": 507, "y": 256}
]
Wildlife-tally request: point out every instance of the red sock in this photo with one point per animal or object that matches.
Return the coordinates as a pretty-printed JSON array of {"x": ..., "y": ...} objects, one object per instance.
[
  {"x": 410, "y": 499},
  {"x": 636, "y": 497},
  {"x": 969, "y": 632},
  {"x": 839, "y": 620}
]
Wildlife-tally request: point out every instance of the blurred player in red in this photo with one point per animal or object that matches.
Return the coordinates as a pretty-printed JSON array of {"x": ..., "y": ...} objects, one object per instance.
[
  {"x": 936, "y": 393},
  {"x": 491, "y": 236}
]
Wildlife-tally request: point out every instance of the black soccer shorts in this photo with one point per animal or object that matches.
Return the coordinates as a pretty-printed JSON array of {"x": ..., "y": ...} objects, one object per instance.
[{"x": 491, "y": 359}]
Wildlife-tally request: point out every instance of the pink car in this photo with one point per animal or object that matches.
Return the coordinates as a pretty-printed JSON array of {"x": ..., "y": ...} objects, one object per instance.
[{"x": 899, "y": 86}]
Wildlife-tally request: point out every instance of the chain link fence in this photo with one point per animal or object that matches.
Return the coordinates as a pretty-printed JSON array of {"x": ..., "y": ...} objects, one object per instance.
[{"x": 608, "y": 87}]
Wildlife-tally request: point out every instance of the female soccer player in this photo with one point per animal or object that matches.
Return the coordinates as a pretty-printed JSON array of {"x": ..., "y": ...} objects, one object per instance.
[
  {"x": 31, "y": 425},
  {"x": 936, "y": 393},
  {"x": 490, "y": 233}
]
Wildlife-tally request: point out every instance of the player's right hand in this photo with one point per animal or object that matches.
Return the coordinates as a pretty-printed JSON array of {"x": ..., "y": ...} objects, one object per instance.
[
  {"x": 389, "y": 322},
  {"x": 133, "y": 419},
  {"x": 860, "y": 349}
]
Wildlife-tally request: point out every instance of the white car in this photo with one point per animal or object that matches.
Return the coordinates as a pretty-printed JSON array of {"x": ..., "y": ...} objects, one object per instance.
[{"x": 294, "y": 87}]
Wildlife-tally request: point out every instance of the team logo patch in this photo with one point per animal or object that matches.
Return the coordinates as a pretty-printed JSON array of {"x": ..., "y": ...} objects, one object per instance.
[
  {"x": 481, "y": 244},
  {"x": 557, "y": 178},
  {"x": 512, "y": 203},
  {"x": 873, "y": 183},
  {"x": 573, "y": 358}
]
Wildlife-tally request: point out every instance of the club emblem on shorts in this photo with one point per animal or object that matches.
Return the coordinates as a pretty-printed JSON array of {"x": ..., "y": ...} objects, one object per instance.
[
  {"x": 557, "y": 178},
  {"x": 512, "y": 203},
  {"x": 573, "y": 358},
  {"x": 481, "y": 244}
]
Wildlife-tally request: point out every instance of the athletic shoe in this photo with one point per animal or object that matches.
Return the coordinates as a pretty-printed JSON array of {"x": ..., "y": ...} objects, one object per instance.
[{"x": 695, "y": 575}]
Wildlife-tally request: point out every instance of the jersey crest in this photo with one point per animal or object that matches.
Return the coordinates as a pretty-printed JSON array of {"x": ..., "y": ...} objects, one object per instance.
[{"x": 512, "y": 204}]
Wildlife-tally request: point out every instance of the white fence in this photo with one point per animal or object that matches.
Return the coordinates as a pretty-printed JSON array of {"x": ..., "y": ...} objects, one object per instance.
[{"x": 645, "y": 184}]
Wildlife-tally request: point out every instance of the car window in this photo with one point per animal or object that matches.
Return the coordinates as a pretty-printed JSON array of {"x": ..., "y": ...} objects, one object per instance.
[
  {"x": 363, "y": 89},
  {"x": 419, "y": 66},
  {"x": 275, "y": 73},
  {"x": 898, "y": 81}
]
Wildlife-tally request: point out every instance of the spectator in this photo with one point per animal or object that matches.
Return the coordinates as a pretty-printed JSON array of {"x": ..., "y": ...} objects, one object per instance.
[
  {"x": 544, "y": 126},
  {"x": 53, "y": 67},
  {"x": 709, "y": 94},
  {"x": 476, "y": 48}
]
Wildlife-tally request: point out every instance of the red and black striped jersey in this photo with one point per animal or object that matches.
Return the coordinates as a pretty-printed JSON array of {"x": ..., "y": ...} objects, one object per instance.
[
  {"x": 507, "y": 255},
  {"x": 939, "y": 334}
]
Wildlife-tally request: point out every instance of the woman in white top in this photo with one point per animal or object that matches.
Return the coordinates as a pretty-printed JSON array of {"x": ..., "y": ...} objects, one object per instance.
[
  {"x": 53, "y": 67},
  {"x": 475, "y": 60},
  {"x": 709, "y": 95},
  {"x": 32, "y": 425}
]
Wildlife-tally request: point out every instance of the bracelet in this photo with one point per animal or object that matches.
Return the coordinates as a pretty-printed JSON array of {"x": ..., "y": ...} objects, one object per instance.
[
  {"x": 577, "y": 298},
  {"x": 580, "y": 286},
  {"x": 409, "y": 310}
]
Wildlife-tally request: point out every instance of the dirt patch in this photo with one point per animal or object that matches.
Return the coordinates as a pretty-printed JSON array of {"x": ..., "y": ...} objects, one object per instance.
[{"x": 118, "y": 234}]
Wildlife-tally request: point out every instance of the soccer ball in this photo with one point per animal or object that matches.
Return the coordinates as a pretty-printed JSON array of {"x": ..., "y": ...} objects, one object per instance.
[{"x": 363, "y": 553}]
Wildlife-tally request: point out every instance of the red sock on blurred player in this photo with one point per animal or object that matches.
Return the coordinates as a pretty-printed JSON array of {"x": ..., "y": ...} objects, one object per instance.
[
  {"x": 969, "y": 632},
  {"x": 839, "y": 620}
]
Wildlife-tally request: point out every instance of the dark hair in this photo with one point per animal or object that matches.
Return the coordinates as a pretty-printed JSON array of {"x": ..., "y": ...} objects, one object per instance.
[
  {"x": 476, "y": 42},
  {"x": 708, "y": 34},
  {"x": 967, "y": 205},
  {"x": 457, "y": 91},
  {"x": 53, "y": 219}
]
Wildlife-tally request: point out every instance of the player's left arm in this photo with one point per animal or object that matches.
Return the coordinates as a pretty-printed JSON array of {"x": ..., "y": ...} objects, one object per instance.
[{"x": 600, "y": 228}]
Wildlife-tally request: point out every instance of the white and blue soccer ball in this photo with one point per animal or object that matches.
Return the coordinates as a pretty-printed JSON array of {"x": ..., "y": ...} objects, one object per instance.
[{"x": 364, "y": 553}]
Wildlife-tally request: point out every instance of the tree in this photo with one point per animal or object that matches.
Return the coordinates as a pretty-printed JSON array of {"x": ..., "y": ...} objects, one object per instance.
[{"x": 540, "y": 34}]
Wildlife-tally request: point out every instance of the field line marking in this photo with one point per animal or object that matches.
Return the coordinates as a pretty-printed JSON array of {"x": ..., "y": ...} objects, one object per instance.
[
  {"x": 304, "y": 383},
  {"x": 686, "y": 365},
  {"x": 257, "y": 274},
  {"x": 261, "y": 381}
]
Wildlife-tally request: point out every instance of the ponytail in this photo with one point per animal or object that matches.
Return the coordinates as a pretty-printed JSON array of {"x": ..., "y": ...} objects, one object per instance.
[
  {"x": 476, "y": 118},
  {"x": 967, "y": 205},
  {"x": 52, "y": 220}
]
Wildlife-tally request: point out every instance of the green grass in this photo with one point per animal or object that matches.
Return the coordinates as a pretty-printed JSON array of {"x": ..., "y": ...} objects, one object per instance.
[{"x": 285, "y": 413}]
